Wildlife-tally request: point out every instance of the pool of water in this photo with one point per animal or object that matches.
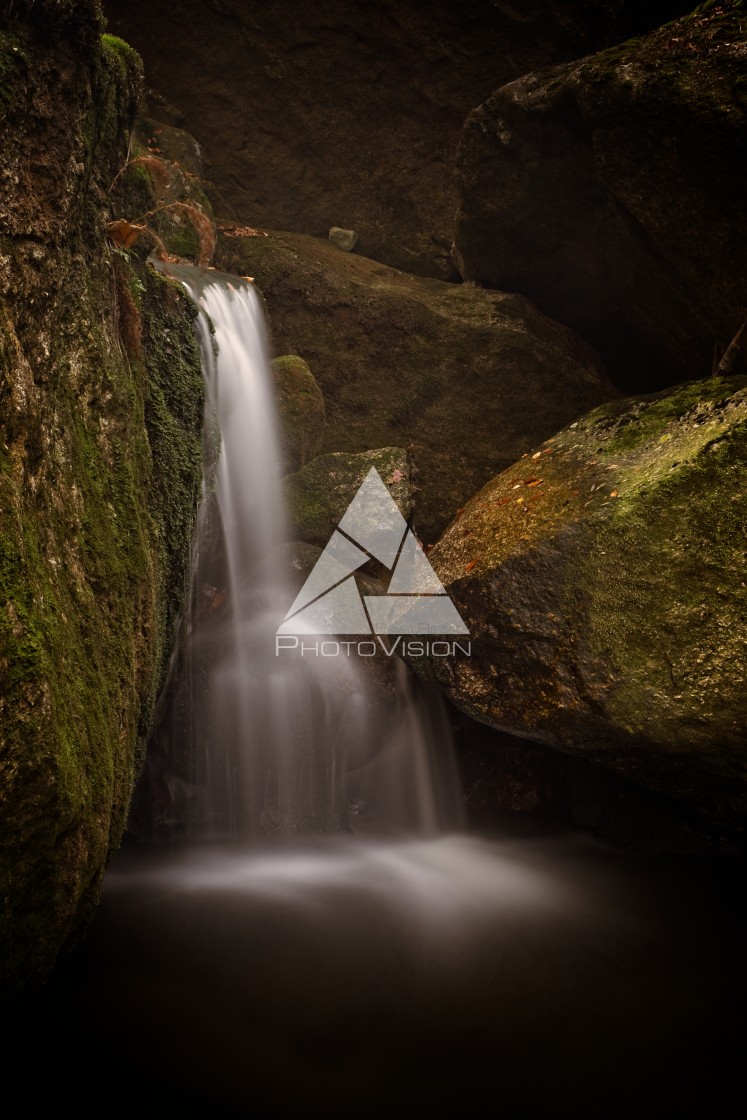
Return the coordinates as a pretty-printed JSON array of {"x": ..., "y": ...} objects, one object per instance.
[{"x": 458, "y": 976}]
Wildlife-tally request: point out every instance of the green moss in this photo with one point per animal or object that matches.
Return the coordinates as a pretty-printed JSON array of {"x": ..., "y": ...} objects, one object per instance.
[
  {"x": 118, "y": 83},
  {"x": 671, "y": 622},
  {"x": 173, "y": 417},
  {"x": 627, "y": 427},
  {"x": 93, "y": 566},
  {"x": 672, "y": 57},
  {"x": 181, "y": 238},
  {"x": 301, "y": 414},
  {"x": 318, "y": 494}
]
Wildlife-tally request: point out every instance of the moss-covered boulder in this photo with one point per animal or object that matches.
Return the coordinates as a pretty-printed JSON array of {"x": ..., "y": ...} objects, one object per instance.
[
  {"x": 603, "y": 579},
  {"x": 320, "y": 492},
  {"x": 611, "y": 191},
  {"x": 301, "y": 415},
  {"x": 465, "y": 379},
  {"x": 100, "y": 464}
]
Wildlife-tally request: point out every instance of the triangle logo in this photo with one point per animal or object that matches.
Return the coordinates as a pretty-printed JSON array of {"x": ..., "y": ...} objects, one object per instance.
[{"x": 415, "y": 602}]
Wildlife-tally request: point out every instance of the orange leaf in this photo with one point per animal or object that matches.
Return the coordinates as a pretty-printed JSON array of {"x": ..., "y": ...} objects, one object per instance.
[
  {"x": 614, "y": 493},
  {"x": 534, "y": 482},
  {"x": 470, "y": 566},
  {"x": 124, "y": 233}
]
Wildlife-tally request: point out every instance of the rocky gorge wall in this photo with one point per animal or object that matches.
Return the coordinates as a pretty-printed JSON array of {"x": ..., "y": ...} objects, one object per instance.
[
  {"x": 100, "y": 466},
  {"x": 338, "y": 113}
]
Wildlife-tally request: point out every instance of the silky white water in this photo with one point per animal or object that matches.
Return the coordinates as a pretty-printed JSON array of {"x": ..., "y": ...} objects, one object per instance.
[{"x": 260, "y": 743}]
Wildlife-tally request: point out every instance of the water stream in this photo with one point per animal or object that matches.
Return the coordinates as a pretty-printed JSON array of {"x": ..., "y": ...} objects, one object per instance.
[
  {"x": 325, "y": 939},
  {"x": 273, "y": 743}
]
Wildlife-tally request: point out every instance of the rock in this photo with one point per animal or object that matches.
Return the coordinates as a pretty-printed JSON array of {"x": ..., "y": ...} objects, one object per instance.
[
  {"x": 319, "y": 494},
  {"x": 175, "y": 145},
  {"x": 301, "y": 415},
  {"x": 611, "y": 192},
  {"x": 603, "y": 582},
  {"x": 345, "y": 239},
  {"x": 353, "y": 110},
  {"x": 465, "y": 379},
  {"x": 100, "y": 469}
]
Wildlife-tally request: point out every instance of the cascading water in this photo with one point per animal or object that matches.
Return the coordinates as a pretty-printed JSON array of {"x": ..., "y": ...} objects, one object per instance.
[{"x": 279, "y": 744}]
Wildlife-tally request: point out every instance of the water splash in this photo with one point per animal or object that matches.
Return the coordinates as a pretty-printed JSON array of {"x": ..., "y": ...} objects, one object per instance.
[{"x": 254, "y": 743}]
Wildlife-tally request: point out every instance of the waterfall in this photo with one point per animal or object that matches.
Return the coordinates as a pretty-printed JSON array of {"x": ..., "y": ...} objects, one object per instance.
[{"x": 251, "y": 742}]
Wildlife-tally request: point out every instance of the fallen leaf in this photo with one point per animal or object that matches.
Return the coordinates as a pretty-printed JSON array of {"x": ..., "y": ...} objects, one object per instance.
[
  {"x": 536, "y": 455},
  {"x": 470, "y": 566},
  {"x": 396, "y": 476},
  {"x": 124, "y": 233},
  {"x": 614, "y": 493},
  {"x": 504, "y": 501},
  {"x": 534, "y": 481}
]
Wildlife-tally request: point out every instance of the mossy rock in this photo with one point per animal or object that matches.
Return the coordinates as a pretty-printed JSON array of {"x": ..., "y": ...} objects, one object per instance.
[
  {"x": 603, "y": 582},
  {"x": 611, "y": 191},
  {"x": 101, "y": 406},
  {"x": 318, "y": 494},
  {"x": 301, "y": 416}
]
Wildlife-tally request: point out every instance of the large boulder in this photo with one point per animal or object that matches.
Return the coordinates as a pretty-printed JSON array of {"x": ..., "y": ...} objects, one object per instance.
[
  {"x": 603, "y": 582},
  {"x": 465, "y": 379},
  {"x": 611, "y": 191},
  {"x": 337, "y": 113},
  {"x": 100, "y": 462}
]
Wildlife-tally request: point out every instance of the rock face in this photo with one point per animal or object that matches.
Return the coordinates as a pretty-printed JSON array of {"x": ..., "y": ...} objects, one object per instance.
[
  {"x": 603, "y": 581},
  {"x": 100, "y": 456},
  {"x": 349, "y": 114},
  {"x": 611, "y": 192},
  {"x": 300, "y": 407},
  {"x": 466, "y": 380}
]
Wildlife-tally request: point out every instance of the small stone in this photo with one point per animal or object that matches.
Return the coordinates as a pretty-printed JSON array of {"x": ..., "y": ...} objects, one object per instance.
[{"x": 345, "y": 239}]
